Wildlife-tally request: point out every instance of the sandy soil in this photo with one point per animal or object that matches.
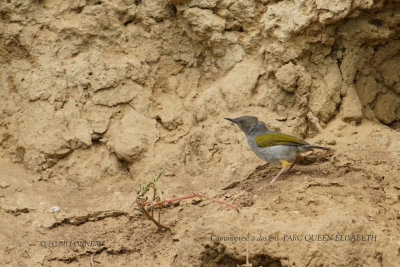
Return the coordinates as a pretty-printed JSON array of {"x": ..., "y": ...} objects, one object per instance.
[
  {"x": 97, "y": 96},
  {"x": 351, "y": 190}
]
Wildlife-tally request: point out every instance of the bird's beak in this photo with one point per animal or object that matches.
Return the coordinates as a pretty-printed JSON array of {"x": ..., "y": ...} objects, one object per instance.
[{"x": 230, "y": 119}]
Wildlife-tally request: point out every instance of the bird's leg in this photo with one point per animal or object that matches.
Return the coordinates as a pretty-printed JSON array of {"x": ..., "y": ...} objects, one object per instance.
[
  {"x": 285, "y": 166},
  {"x": 277, "y": 176},
  {"x": 294, "y": 162}
]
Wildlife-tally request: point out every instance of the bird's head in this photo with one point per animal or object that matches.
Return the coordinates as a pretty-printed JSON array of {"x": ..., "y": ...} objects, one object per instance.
[{"x": 245, "y": 123}]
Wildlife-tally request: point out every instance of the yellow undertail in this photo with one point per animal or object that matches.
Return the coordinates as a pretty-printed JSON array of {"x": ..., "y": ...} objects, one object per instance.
[{"x": 284, "y": 163}]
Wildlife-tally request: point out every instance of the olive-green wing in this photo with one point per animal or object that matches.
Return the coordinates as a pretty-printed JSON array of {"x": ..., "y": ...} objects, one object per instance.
[{"x": 274, "y": 139}]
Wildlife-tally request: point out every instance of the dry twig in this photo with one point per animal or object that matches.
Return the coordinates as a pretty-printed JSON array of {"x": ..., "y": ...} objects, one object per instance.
[{"x": 146, "y": 206}]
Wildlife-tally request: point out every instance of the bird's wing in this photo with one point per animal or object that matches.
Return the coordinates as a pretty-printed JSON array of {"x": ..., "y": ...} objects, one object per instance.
[{"x": 273, "y": 139}]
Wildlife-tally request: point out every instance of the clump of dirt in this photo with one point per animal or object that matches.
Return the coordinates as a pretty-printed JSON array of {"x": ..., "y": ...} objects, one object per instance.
[{"x": 98, "y": 96}]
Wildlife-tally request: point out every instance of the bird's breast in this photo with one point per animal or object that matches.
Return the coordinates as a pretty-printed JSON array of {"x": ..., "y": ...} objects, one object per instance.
[{"x": 273, "y": 154}]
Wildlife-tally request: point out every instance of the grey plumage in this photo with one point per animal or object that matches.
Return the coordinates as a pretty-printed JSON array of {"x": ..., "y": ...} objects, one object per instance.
[{"x": 279, "y": 146}]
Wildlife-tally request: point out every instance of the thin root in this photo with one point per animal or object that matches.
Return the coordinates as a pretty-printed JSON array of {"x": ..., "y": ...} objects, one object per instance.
[{"x": 201, "y": 195}]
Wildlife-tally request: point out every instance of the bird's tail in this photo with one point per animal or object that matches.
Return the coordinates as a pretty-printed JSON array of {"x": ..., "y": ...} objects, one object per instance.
[{"x": 317, "y": 147}]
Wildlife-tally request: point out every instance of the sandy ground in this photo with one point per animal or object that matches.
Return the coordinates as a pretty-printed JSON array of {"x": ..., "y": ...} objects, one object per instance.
[
  {"x": 96, "y": 97},
  {"x": 351, "y": 190}
]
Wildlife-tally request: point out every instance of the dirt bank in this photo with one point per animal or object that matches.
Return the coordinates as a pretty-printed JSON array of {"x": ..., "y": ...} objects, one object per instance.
[{"x": 97, "y": 96}]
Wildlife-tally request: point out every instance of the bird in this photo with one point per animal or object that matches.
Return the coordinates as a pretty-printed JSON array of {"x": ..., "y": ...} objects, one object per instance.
[{"x": 273, "y": 147}]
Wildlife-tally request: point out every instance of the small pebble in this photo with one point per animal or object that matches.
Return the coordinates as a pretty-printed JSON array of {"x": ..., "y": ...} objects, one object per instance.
[
  {"x": 331, "y": 142},
  {"x": 54, "y": 209}
]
